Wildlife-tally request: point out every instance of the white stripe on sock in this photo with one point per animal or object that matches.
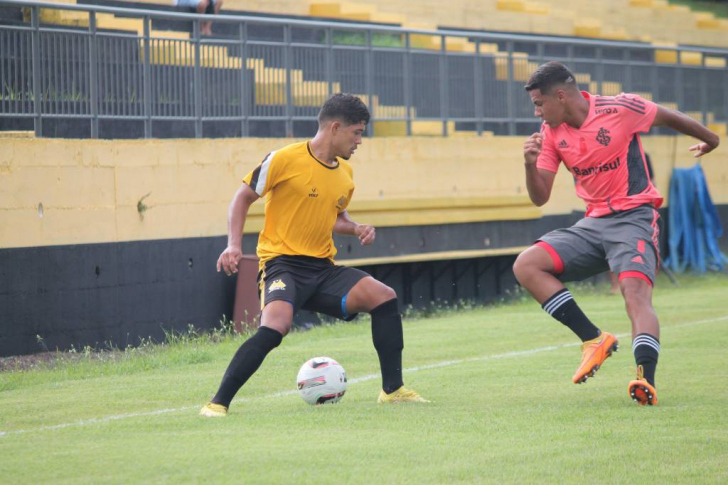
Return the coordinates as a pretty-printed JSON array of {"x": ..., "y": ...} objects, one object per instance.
[
  {"x": 554, "y": 305},
  {"x": 645, "y": 340}
]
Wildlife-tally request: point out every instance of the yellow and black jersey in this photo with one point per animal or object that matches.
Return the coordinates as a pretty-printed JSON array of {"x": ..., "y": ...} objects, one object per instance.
[{"x": 303, "y": 197}]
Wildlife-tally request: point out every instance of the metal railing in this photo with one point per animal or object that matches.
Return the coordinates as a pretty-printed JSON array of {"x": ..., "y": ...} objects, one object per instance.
[{"x": 146, "y": 70}]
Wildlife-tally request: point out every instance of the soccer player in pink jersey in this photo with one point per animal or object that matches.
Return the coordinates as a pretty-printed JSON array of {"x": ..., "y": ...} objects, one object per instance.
[{"x": 597, "y": 139}]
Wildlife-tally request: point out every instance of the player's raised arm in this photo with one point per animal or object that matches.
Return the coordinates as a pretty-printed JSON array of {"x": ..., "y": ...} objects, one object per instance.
[
  {"x": 539, "y": 182},
  {"x": 237, "y": 212},
  {"x": 687, "y": 126}
]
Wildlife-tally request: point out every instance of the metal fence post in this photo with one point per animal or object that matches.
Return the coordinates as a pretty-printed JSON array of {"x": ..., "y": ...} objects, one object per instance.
[
  {"x": 444, "y": 84},
  {"x": 147, "y": 80},
  {"x": 369, "y": 82},
  {"x": 329, "y": 61},
  {"x": 244, "y": 108},
  {"x": 600, "y": 70},
  {"x": 478, "y": 88},
  {"x": 679, "y": 91},
  {"x": 407, "y": 84},
  {"x": 509, "y": 92},
  {"x": 35, "y": 46},
  {"x": 288, "y": 64},
  {"x": 94, "y": 75},
  {"x": 197, "y": 83},
  {"x": 654, "y": 80},
  {"x": 627, "y": 87}
]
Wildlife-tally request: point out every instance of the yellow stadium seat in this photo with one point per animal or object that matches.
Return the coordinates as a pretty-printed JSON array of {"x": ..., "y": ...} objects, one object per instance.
[
  {"x": 691, "y": 58},
  {"x": 706, "y": 20},
  {"x": 645, "y": 95},
  {"x": 388, "y": 18},
  {"x": 325, "y": 9},
  {"x": 588, "y": 28},
  {"x": 715, "y": 62},
  {"x": 665, "y": 56},
  {"x": 512, "y": 5},
  {"x": 537, "y": 8},
  {"x": 522, "y": 67}
]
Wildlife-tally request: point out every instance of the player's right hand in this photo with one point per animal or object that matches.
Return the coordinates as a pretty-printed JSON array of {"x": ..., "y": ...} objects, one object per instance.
[
  {"x": 229, "y": 260},
  {"x": 532, "y": 148}
]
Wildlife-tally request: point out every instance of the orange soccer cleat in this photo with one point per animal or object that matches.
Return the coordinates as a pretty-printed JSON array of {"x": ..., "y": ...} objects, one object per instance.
[
  {"x": 594, "y": 353},
  {"x": 641, "y": 391}
]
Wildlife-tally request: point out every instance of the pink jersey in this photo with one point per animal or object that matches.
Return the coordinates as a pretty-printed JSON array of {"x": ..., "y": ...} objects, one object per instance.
[{"x": 605, "y": 155}]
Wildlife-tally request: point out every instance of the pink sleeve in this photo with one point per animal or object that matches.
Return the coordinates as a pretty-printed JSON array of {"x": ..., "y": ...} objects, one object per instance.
[
  {"x": 638, "y": 114},
  {"x": 549, "y": 158}
]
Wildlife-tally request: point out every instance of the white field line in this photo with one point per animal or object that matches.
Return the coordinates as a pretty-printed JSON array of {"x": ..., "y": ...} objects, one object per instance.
[{"x": 117, "y": 417}]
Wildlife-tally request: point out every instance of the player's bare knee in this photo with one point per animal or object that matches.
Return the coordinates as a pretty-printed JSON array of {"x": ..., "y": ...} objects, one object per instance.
[
  {"x": 379, "y": 295},
  {"x": 520, "y": 267},
  {"x": 525, "y": 267},
  {"x": 637, "y": 295},
  {"x": 278, "y": 315},
  {"x": 280, "y": 326},
  {"x": 385, "y": 293}
]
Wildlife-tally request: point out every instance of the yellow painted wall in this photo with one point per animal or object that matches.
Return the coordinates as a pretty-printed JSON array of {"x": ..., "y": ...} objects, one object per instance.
[{"x": 90, "y": 189}]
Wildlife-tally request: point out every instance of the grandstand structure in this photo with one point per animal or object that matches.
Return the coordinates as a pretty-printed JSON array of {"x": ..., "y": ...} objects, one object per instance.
[
  {"x": 88, "y": 69},
  {"x": 124, "y": 133}
]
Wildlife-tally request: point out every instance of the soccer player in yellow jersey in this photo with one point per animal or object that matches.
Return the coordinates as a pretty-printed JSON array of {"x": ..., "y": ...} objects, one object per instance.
[{"x": 307, "y": 187}]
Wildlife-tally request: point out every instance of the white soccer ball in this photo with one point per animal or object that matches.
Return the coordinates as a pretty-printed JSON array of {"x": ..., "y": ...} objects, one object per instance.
[{"x": 321, "y": 380}]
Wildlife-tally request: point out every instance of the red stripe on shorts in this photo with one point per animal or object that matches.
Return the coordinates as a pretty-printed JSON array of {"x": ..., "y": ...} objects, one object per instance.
[
  {"x": 558, "y": 263},
  {"x": 634, "y": 274}
]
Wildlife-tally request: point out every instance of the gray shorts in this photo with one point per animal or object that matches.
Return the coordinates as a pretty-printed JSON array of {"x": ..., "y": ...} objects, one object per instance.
[{"x": 626, "y": 243}]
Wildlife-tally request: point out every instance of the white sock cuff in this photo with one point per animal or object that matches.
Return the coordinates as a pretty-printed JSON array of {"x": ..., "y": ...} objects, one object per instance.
[{"x": 645, "y": 339}]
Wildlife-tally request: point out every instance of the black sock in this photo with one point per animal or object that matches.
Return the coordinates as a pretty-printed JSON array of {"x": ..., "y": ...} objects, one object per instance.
[
  {"x": 563, "y": 308},
  {"x": 646, "y": 350},
  {"x": 245, "y": 362},
  {"x": 389, "y": 342}
]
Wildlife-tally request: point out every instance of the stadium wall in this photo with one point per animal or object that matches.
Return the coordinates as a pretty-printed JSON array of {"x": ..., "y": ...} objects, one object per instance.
[{"x": 109, "y": 241}]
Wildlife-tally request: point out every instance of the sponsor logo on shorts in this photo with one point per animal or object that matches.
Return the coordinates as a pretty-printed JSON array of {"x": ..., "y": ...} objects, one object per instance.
[
  {"x": 276, "y": 285},
  {"x": 638, "y": 259}
]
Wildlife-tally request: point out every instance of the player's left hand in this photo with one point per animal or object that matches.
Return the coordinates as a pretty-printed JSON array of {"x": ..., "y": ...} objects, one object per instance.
[
  {"x": 701, "y": 149},
  {"x": 366, "y": 234}
]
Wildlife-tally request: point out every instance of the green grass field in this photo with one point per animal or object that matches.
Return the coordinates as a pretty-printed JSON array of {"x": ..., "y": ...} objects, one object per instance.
[{"x": 504, "y": 409}]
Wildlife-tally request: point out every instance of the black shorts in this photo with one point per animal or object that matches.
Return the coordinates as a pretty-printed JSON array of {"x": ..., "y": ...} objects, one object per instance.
[{"x": 308, "y": 283}]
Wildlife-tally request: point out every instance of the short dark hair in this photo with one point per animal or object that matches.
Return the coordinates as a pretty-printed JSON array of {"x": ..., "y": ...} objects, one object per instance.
[
  {"x": 549, "y": 75},
  {"x": 345, "y": 107}
]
